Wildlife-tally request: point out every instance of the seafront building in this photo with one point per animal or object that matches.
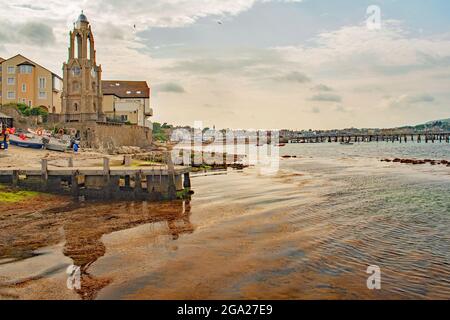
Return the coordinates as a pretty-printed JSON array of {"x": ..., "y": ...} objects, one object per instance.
[
  {"x": 25, "y": 81},
  {"x": 127, "y": 101},
  {"x": 81, "y": 96}
]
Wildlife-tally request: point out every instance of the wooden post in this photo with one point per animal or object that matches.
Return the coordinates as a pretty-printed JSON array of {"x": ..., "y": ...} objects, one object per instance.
[
  {"x": 15, "y": 178},
  {"x": 44, "y": 169},
  {"x": 75, "y": 188},
  {"x": 106, "y": 167},
  {"x": 187, "y": 181},
  {"x": 138, "y": 183},
  {"x": 107, "y": 177},
  {"x": 127, "y": 160},
  {"x": 172, "y": 190}
]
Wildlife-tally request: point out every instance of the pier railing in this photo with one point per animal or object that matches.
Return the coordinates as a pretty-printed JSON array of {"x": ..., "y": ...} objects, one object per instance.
[{"x": 396, "y": 137}]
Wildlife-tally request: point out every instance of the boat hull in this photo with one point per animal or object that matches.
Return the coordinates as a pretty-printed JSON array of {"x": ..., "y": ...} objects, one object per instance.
[{"x": 25, "y": 144}]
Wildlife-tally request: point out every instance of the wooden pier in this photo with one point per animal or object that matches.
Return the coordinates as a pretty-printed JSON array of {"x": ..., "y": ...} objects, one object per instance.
[
  {"x": 165, "y": 182},
  {"x": 354, "y": 138}
]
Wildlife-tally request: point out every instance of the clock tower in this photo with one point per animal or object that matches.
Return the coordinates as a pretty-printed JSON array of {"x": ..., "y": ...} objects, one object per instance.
[{"x": 82, "y": 97}]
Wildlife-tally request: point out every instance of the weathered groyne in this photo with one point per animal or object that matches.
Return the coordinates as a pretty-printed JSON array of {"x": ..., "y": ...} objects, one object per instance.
[{"x": 166, "y": 182}]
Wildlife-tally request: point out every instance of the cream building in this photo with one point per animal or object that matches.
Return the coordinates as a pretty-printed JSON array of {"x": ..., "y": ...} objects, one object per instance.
[
  {"x": 127, "y": 102},
  {"x": 25, "y": 81}
]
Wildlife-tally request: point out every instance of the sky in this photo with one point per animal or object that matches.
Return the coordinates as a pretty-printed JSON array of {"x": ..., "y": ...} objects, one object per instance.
[{"x": 267, "y": 64}]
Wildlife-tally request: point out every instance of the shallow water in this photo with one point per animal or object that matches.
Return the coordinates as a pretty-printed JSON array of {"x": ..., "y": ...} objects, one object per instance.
[{"x": 309, "y": 231}]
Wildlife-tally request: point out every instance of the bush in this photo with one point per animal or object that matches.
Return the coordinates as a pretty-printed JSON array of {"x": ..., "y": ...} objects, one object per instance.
[{"x": 27, "y": 111}]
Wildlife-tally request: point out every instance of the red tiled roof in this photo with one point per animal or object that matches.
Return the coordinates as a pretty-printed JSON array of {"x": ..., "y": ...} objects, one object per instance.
[{"x": 126, "y": 89}]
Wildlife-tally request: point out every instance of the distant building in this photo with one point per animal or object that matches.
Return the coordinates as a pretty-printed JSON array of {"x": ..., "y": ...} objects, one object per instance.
[
  {"x": 25, "y": 81},
  {"x": 127, "y": 102},
  {"x": 82, "y": 97}
]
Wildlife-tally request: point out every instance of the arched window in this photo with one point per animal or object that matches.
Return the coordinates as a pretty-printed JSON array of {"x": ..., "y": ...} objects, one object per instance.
[
  {"x": 75, "y": 106},
  {"x": 90, "y": 48},
  {"x": 78, "y": 46},
  {"x": 95, "y": 107},
  {"x": 53, "y": 110}
]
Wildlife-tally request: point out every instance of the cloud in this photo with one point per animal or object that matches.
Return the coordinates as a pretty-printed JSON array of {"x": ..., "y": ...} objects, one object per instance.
[
  {"x": 295, "y": 76},
  {"x": 340, "y": 108},
  {"x": 34, "y": 33},
  {"x": 408, "y": 101},
  {"x": 425, "y": 98},
  {"x": 257, "y": 63},
  {"x": 322, "y": 87},
  {"x": 326, "y": 97},
  {"x": 170, "y": 87},
  {"x": 315, "y": 109}
]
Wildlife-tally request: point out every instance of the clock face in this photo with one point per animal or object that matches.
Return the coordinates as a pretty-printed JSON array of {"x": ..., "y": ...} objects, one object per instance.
[{"x": 76, "y": 71}]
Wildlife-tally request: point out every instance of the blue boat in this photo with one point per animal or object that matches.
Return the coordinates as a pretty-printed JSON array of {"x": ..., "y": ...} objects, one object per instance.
[{"x": 29, "y": 143}]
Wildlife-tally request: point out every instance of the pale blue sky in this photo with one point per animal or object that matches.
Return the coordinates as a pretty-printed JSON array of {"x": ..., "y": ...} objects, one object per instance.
[{"x": 269, "y": 64}]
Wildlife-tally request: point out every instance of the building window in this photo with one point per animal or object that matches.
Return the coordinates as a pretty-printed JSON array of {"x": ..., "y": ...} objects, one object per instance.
[
  {"x": 42, "y": 83},
  {"x": 25, "y": 69},
  {"x": 29, "y": 103},
  {"x": 11, "y": 70},
  {"x": 11, "y": 95},
  {"x": 24, "y": 87},
  {"x": 11, "y": 81},
  {"x": 42, "y": 95},
  {"x": 75, "y": 107}
]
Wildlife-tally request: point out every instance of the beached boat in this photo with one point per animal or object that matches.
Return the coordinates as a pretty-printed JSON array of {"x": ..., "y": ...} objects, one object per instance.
[
  {"x": 25, "y": 142},
  {"x": 55, "y": 145},
  {"x": 347, "y": 143}
]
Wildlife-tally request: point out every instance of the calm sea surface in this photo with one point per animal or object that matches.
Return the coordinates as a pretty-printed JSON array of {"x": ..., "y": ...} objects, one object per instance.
[{"x": 309, "y": 231}]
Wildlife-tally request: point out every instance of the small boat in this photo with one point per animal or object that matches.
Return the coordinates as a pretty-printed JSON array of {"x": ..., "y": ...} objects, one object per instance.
[
  {"x": 347, "y": 143},
  {"x": 25, "y": 142},
  {"x": 55, "y": 145},
  {"x": 281, "y": 145}
]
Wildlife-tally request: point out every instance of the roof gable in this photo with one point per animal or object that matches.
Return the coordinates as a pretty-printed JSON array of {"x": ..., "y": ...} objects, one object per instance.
[{"x": 31, "y": 61}]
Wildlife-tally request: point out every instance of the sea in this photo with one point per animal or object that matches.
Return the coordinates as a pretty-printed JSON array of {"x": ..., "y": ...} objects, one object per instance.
[{"x": 312, "y": 229}]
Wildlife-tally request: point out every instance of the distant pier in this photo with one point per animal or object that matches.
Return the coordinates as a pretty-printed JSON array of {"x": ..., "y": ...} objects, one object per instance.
[
  {"x": 354, "y": 138},
  {"x": 166, "y": 182}
]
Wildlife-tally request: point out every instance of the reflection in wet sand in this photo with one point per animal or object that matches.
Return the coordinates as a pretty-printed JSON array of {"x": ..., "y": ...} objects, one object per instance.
[{"x": 82, "y": 229}]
